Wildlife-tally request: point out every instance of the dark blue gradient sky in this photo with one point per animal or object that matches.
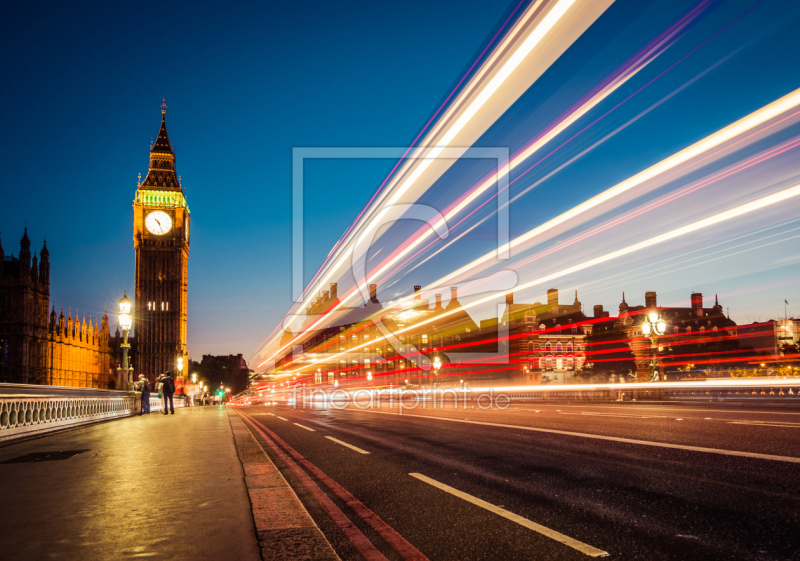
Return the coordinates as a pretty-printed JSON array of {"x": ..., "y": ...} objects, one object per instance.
[{"x": 247, "y": 82}]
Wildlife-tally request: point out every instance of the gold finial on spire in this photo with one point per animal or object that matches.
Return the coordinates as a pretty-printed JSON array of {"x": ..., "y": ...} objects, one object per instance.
[
  {"x": 164, "y": 106},
  {"x": 139, "y": 184}
]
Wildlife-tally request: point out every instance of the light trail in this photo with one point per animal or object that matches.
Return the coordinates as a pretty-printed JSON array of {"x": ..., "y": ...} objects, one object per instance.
[
  {"x": 716, "y": 140},
  {"x": 511, "y": 60},
  {"x": 741, "y": 210}
]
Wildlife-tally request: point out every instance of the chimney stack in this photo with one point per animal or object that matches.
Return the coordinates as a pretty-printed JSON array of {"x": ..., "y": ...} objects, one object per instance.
[
  {"x": 417, "y": 295},
  {"x": 510, "y": 298},
  {"x": 650, "y": 300},
  {"x": 334, "y": 289},
  {"x": 697, "y": 303},
  {"x": 552, "y": 299},
  {"x": 438, "y": 302},
  {"x": 373, "y": 293},
  {"x": 599, "y": 312}
]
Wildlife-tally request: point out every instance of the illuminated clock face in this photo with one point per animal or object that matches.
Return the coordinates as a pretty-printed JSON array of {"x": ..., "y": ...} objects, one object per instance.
[{"x": 158, "y": 223}]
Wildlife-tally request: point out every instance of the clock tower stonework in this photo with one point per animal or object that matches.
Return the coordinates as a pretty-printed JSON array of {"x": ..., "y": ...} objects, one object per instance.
[{"x": 161, "y": 240}]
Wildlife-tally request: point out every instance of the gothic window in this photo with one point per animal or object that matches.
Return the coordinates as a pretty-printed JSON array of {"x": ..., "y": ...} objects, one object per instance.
[
  {"x": 558, "y": 347},
  {"x": 530, "y": 346},
  {"x": 569, "y": 347},
  {"x": 547, "y": 346},
  {"x": 689, "y": 329},
  {"x": 676, "y": 329}
]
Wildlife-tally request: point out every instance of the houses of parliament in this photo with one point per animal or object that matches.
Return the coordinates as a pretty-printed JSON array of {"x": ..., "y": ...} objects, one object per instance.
[{"x": 40, "y": 346}]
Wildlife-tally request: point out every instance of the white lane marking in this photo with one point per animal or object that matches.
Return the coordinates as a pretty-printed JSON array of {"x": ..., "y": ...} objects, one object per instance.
[
  {"x": 307, "y": 428},
  {"x": 545, "y": 531},
  {"x": 273, "y": 414},
  {"x": 281, "y": 418},
  {"x": 667, "y": 408},
  {"x": 765, "y": 424},
  {"x": 615, "y": 439},
  {"x": 356, "y": 448},
  {"x": 623, "y": 415}
]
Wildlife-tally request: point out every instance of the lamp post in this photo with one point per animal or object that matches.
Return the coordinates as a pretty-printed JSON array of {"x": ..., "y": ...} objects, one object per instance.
[
  {"x": 653, "y": 327},
  {"x": 125, "y": 322},
  {"x": 437, "y": 364}
]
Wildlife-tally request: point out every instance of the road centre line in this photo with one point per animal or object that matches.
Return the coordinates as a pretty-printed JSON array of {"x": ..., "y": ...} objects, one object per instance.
[
  {"x": 662, "y": 407},
  {"x": 356, "y": 448},
  {"x": 612, "y": 438},
  {"x": 538, "y": 528},
  {"x": 764, "y": 424},
  {"x": 623, "y": 415},
  {"x": 281, "y": 418},
  {"x": 304, "y": 427}
]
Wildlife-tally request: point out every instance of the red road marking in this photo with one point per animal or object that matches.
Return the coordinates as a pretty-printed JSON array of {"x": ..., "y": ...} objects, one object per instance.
[
  {"x": 359, "y": 540},
  {"x": 389, "y": 534}
]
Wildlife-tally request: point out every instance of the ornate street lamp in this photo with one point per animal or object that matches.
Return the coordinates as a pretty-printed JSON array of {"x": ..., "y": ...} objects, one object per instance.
[
  {"x": 653, "y": 327},
  {"x": 125, "y": 374}
]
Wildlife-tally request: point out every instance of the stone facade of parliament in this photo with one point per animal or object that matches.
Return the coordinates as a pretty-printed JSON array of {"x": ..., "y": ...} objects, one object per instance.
[{"x": 41, "y": 348}]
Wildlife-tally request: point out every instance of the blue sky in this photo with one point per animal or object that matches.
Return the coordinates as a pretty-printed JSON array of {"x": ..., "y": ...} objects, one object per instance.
[{"x": 247, "y": 82}]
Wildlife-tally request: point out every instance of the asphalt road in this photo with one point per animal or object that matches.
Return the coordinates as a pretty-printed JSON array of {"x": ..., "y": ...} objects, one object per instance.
[{"x": 482, "y": 491}]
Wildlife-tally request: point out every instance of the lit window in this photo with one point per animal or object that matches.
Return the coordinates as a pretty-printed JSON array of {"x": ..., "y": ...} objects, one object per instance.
[
  {"x": 162, "y": 306},
  {"x": 424, "y": 338}
]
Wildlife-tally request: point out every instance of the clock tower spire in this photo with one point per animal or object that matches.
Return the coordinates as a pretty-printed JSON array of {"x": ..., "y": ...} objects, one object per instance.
[{"x": 161, "y": 220}]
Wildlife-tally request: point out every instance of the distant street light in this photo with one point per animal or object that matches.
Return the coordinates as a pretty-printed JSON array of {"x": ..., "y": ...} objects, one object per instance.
[
  {"x": 124, "y": 374},
  {"x": 653, "y": 327}
]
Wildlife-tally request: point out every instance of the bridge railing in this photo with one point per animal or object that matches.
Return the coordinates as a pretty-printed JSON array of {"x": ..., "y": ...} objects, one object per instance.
[{"x": 27, "y": 410}]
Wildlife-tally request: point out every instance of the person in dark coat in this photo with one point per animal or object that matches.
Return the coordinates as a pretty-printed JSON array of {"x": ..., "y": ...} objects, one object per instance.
[
  {"x": 143, "y": 386},
  {"x": 168, "y": 389}
]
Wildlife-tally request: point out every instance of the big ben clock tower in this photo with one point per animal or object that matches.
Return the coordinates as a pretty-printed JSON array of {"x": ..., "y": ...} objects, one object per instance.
[{"x": 161, "y": 240}]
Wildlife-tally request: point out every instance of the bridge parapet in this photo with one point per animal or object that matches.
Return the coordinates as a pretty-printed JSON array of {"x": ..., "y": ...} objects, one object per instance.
[{"x": 27, "y": 410}]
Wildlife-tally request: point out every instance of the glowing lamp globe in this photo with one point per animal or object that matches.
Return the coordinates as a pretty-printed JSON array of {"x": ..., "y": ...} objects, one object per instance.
[
  {"x": 653, "y": 317},
  {"x": 646, "y": 328},
  {"x": 661, "y": 327},
  {"x": 125, "y": 304}
]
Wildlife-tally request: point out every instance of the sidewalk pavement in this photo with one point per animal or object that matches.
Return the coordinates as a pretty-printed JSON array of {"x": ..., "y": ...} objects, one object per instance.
[{"x": 152, "y": 486}]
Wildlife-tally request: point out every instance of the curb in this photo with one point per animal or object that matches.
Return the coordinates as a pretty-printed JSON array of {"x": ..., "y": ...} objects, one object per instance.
[{"x": 285, "y": 530}]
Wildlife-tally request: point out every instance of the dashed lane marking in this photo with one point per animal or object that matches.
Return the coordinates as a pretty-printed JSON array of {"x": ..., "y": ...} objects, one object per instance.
[
  {"x": 356, "y": 448},
  {"x": 281, "y": 418},
  {"x": 622, "y": 415},
  {"x": 304, "y": 427},
  {"x": 543, "y": 530}
]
